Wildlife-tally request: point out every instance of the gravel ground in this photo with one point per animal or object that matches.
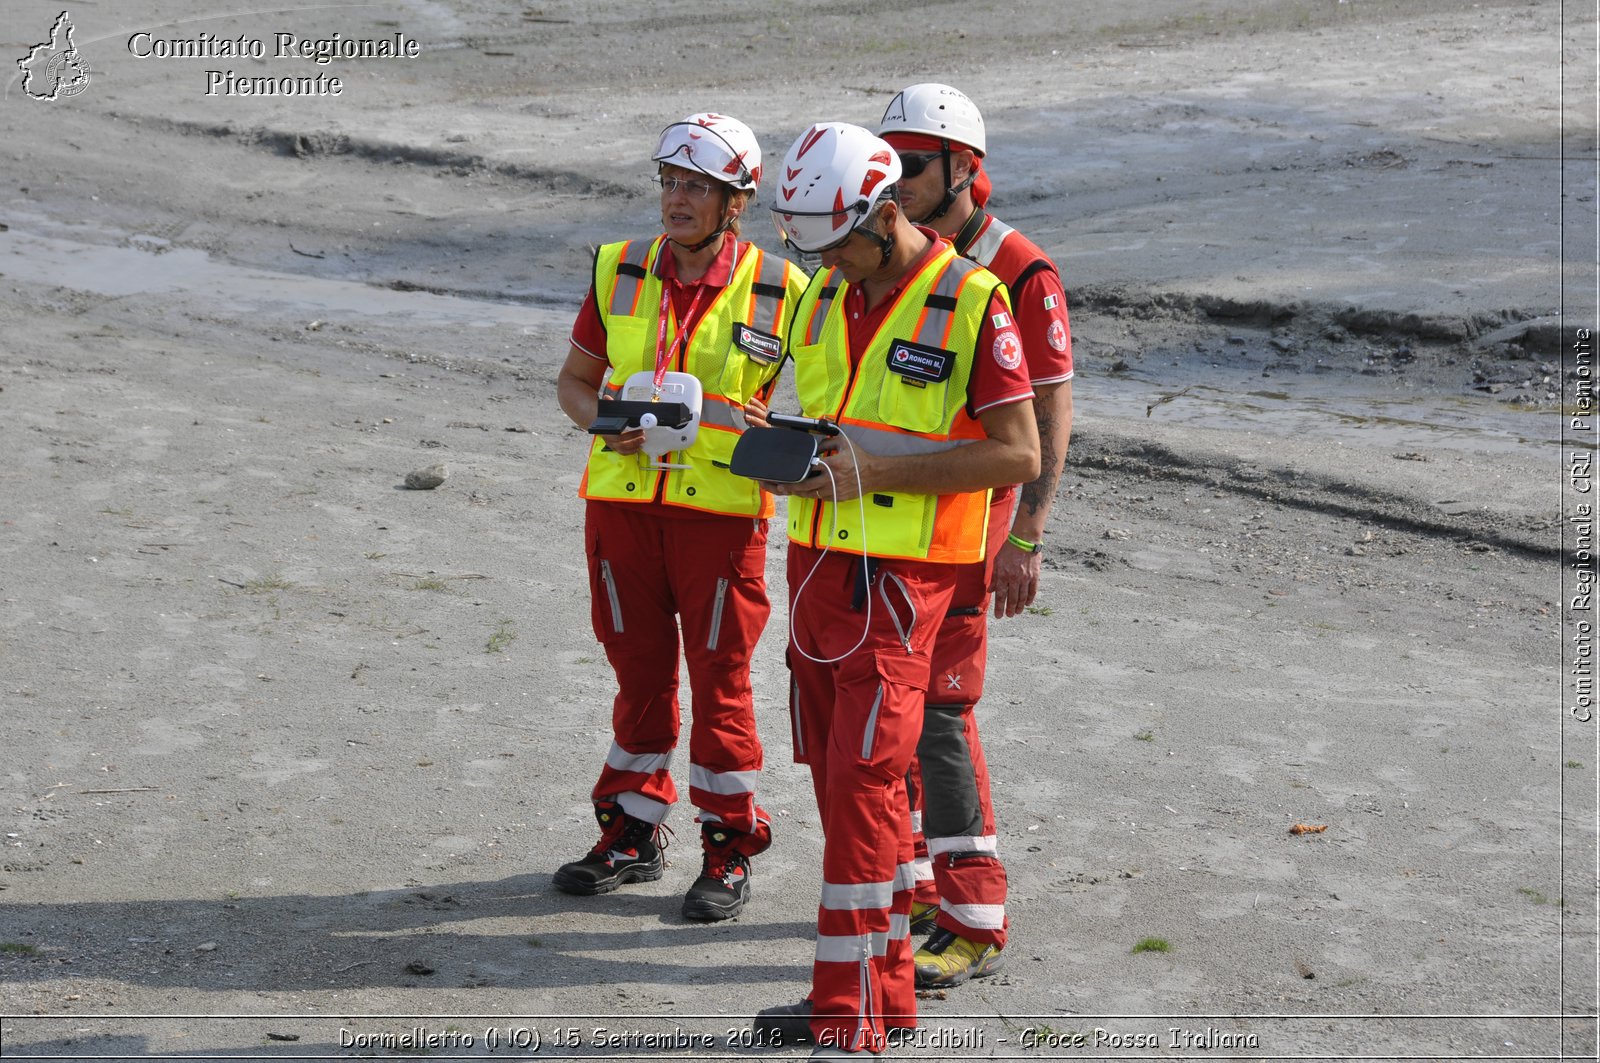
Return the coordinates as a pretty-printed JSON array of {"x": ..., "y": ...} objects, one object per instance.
[{"x": 292, "y": 751}]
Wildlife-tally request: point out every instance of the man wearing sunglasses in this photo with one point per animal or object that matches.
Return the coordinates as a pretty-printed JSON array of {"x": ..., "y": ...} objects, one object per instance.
[
  {"x": 908, "y": 348},
  {"x": 939, "y": 137}
]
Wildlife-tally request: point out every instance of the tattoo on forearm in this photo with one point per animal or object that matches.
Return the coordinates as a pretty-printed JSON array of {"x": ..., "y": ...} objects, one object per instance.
[{"x": 1040, "y": 493}]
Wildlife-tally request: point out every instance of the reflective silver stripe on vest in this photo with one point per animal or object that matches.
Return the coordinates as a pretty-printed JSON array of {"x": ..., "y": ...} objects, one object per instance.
[
  {"x": 768, "y": 312},
  {"x": 626, "y": 291},
  {"x": 885, "y": 442},
  {"x": 820, "y": 312},
  {"x": 940, "y": 307},
  {"x": 985, "y": 247},
  {"x": 719, "y": 413},
  {"x": 768, "y": 290}
]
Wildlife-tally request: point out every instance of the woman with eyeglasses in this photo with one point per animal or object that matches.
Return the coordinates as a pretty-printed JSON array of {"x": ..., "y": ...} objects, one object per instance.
[{"x": 673, "y": 538}]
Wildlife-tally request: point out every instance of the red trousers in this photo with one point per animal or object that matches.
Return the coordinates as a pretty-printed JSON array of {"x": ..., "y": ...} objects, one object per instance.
[
  {"x": 856, "y": 721},
  {"x": 649, "y": 573},
  {"x": 953, "y": 825}
]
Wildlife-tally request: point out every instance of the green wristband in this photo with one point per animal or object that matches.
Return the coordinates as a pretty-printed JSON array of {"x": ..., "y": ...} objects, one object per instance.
[{"x": 1022, "y": 544}]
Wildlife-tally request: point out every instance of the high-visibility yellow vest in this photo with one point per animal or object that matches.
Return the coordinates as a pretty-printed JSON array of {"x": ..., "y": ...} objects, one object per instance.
[
  {"x": 906, "y": 395},
  {"x": 735, "y": 351}
]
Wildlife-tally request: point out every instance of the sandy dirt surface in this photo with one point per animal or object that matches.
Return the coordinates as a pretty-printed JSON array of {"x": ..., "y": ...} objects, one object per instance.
[{"x": 291, "y": 752}]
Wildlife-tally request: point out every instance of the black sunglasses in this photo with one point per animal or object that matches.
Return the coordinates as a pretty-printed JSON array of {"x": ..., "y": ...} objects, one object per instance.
[{"x": 913, "y": 165}]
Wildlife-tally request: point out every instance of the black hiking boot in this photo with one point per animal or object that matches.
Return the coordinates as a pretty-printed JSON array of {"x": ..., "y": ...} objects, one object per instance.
[
  {"x": 628, "y": 851},
  {"x": 724, "y": 882}
]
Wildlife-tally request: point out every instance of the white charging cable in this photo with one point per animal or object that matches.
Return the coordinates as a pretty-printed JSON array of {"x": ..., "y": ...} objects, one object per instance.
[{"x": 833, "y": 530}]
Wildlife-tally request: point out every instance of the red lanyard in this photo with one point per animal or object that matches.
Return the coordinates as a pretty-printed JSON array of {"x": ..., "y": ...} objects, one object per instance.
[{"x": 666, "y": 354}]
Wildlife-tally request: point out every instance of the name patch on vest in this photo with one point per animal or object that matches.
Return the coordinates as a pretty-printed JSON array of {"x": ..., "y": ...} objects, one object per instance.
[
  {"x": 921, "y": 363},
  {"x": 762, "y": 347}
]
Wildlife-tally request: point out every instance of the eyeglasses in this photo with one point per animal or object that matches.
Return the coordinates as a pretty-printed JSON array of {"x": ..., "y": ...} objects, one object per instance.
[
  {"x": 694, "y": 189},
  {"x": 913, "y": 165}
]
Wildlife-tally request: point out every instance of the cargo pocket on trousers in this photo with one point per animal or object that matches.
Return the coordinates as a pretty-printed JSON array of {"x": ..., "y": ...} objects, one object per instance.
[
  {"x": 605, "y": 601},
  {"x": 797, "y": 725},
  {"x": 747, "y": 564},
  {"x": 892, "y": 726}
]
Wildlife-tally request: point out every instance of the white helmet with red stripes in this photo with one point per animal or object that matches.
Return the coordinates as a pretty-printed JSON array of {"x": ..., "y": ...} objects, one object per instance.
[
  {"x": 937, "y": 111},
  {"x": 833, "y": 177},
  {"x": 716, "y": 145}
]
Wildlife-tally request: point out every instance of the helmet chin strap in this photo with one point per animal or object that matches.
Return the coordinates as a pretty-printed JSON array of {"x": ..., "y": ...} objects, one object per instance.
[
  {"x": 950, "y": 193},
  {"x": 885, "y": 245},
  {"x": 884, "y": 241},
  {"x": 716, "y": 234}
]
